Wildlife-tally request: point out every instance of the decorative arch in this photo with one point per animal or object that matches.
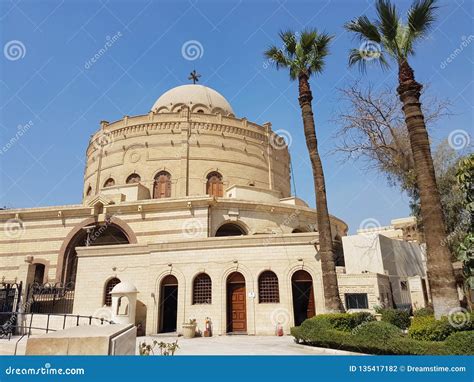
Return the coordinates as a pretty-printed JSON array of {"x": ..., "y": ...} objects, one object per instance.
[
  {"x": 268, "y": 287},
  {"x": 177, "y": 107},
  {"x": 199, "y": 108},
  {"x": 214, "y": 184},
  {"x": 202, "y": 289},
  {"x": 75, "y": 232},
  {"x": 231, "y": 228},
  {"x": 133, "y": 178},
  {"x": 162, "y": 185},
  {"x": 109, "y": 182},
  {"x": 109, "y": 285}
]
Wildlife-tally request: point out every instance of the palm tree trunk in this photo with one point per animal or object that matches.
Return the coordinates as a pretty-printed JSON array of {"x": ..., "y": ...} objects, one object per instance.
[
  {"x": 326, "y": 251},
  {"x": 439, "y": 267}
]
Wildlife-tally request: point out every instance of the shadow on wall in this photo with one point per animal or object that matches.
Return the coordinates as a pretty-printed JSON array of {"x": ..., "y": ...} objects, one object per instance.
[{"x": 140, "y": 318}]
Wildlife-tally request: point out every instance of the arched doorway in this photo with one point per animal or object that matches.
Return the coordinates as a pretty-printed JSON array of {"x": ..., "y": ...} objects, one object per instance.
[
  {"x": 92, "y": 235},
  {"x": 236, "y": 303},
  {"x": 303, "y": 296},
  {"x": 168, "y": 304}
]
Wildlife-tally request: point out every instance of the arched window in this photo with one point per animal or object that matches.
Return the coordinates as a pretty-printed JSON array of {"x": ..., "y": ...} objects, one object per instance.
[
  {"x": 202, "y": 289},
  {"x": 338, "y": 252},
  {"x": 89, "y": 191},
  {"x": 230, "y": 229},
  {"x": 108, "y": 288},
  {"x": 133, "y": 178},
  {"x": 162, "y": 185},
  {"x": 215, "y": 186},
  {"x": 109, "y": 183},
  {"x": 268, "y": 291}
]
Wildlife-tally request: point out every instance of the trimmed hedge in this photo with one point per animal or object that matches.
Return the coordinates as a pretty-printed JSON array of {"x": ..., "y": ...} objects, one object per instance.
[
  {"x": 376, "y": 338},
  {"x": 319, "y": 333},
  {"x": 345, "y": 321},
  {"x": 460, "y": 343},
  {"x": 397, "y": 317},
  {"x": 427, "y": 328},
  {"x": 377, "y": 331}
]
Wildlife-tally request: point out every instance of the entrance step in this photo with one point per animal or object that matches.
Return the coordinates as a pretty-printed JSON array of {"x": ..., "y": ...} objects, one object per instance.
[{"x": 171, "y": 334}]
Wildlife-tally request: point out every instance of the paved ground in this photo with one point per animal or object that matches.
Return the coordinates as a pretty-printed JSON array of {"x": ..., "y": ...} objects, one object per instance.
[
  {"x": 242, "y": 345},
  {"x": 218, "y": 345}
]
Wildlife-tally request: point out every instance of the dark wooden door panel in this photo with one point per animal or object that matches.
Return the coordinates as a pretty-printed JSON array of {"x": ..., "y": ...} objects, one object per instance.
[{"x": 237, "y": 308}]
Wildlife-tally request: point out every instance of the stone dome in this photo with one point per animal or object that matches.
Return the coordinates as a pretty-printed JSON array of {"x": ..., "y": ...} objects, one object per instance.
[
  {"x": 199, "y": 98},
  {"x": 124, "y": 287}
]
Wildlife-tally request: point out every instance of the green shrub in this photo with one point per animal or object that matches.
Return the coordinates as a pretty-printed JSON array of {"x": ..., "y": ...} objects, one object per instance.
[
  {"x": 375, "y": 331},
  {"x": 460, "y": 343},
  {"x": 422, "y": 312},
  {"x": 370, "y": 337},
  {"x": 397, "y": 317},
  {"x": 345, "y": 321},
  {"x": 427, "y": 328}
]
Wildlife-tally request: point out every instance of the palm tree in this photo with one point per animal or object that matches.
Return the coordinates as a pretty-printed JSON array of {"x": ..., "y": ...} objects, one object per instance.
[
  {"x": 304, "y": 56},
  {"x": 389, "y": 37}
]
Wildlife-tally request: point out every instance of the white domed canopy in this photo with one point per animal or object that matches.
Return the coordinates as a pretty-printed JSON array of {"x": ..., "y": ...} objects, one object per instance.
[
  {"x": 124, "y": 287},
  {"x": 199, "y": 98}
]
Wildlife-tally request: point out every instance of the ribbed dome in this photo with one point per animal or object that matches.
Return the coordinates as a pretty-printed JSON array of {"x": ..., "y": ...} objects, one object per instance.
[{"x": 200, "y": 99}]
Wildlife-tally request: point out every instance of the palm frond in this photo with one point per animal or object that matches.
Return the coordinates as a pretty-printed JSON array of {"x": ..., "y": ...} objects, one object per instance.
[
  {"x": 363, "y": 58},
  {"x": 388, "y": 19},
  {"x": 277, "y": 57},
  {"x": 364, "y": 29},
  {"x": 421, "y": 17},
  {"x": 322, "y": 44},
  {"x": 307, "y": 38},
  {"x": 289, "y": 41}
]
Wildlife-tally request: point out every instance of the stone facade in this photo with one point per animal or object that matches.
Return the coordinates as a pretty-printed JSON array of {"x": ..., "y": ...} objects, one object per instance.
[{"x": 159, "y": 232}]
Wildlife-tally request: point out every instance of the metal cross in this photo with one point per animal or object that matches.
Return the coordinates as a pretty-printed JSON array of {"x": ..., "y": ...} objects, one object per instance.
[{"x": 194, "y": 76}]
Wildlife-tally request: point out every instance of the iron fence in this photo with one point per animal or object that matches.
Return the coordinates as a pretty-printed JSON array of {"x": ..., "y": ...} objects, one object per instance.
[{"x": 50, "y": 298}]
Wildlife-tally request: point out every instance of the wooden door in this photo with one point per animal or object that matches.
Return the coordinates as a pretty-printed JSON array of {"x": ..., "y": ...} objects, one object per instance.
[{"x": 237, "y": 309}]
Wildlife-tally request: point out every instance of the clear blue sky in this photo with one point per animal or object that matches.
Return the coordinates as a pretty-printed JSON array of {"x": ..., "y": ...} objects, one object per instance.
[{"x": 50, "y": 85}]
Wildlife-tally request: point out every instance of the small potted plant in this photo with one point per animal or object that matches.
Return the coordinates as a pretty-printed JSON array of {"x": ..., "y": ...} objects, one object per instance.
[{"x": 189, "y": 328}]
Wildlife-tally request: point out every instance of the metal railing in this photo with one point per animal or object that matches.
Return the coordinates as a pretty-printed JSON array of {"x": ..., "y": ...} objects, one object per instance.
[{"x": 14, "y": 323}]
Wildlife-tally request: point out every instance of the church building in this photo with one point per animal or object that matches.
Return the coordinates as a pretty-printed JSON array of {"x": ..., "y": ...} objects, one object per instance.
[{"x": 191, "y": 205}]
